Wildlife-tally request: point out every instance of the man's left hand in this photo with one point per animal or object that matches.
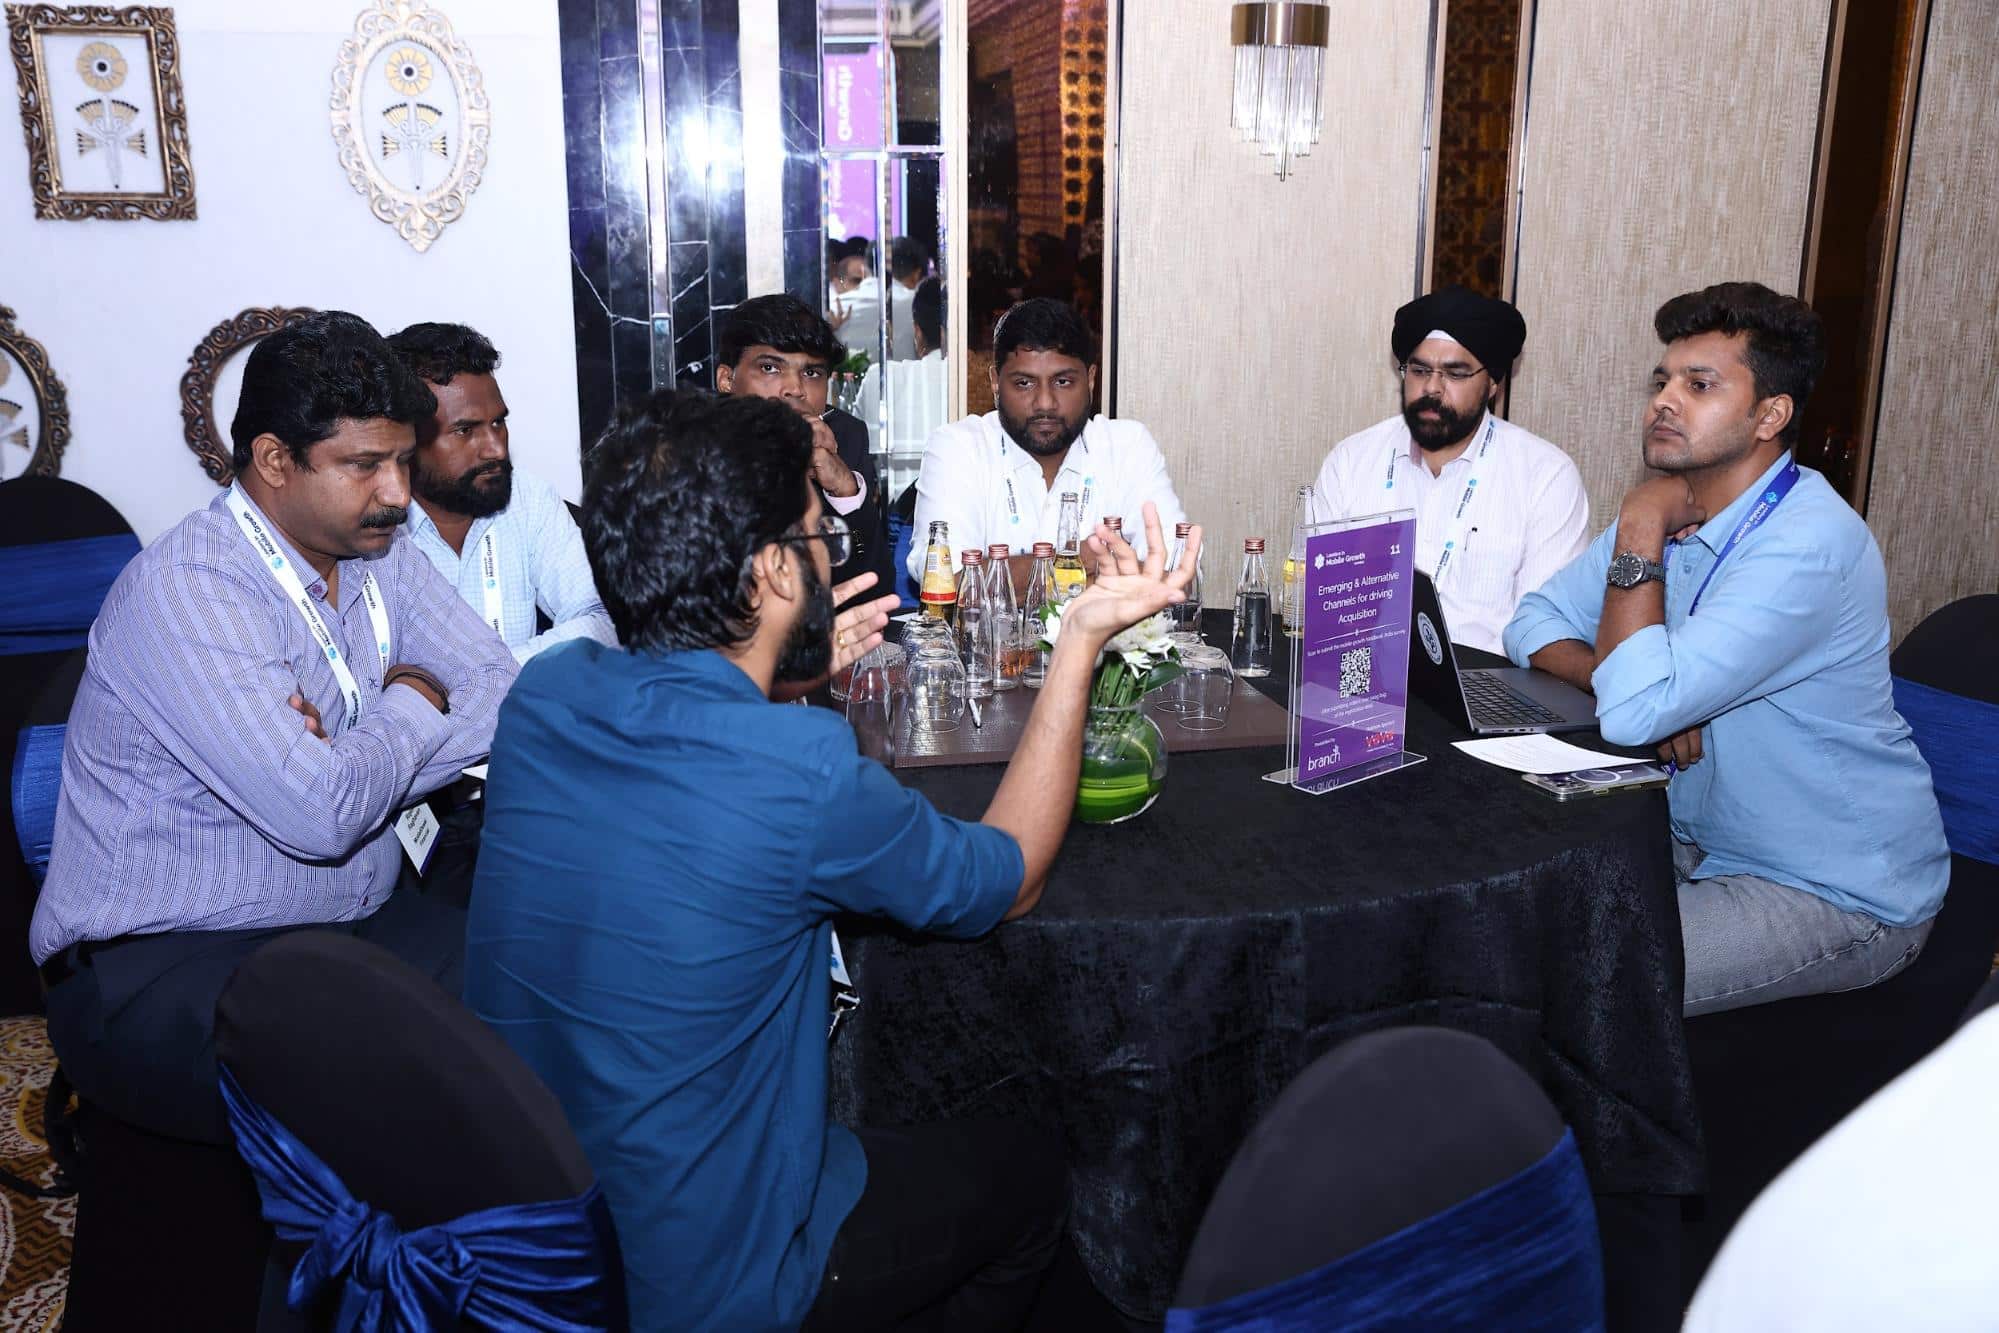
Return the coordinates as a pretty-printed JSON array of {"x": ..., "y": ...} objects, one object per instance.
[{"x": 832, "y": 474}]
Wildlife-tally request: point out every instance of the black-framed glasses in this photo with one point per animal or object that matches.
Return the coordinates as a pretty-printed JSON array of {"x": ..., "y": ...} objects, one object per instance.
[
  {"x": 1421, "y": 371},
  {"x": 833, "y": 530}
]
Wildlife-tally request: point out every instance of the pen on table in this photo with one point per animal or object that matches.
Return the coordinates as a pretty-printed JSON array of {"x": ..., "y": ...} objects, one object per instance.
[{"x": 973, "y": 704}]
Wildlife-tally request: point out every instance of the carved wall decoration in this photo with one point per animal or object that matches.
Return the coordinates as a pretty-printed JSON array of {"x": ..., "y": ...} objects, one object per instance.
[
  {"x": 411, "y": 118},
  {"x": 102, "y": 108},
  {"x": 207, "y": 436},
  {"x": 34, "y": 410}
]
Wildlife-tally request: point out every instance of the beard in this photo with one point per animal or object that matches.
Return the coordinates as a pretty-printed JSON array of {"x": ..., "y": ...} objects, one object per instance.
[
  {"x": 808, "y": 651},
  {"x": 1021, "y": 431},
  {"x": 472, "y": 493},
  {"x": 1449, "y": 428}
]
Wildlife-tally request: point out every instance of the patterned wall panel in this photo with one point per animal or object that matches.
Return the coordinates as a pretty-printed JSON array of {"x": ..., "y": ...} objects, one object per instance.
[
  {"x": 1253, "y": 313},
  {"x": 1660, "y": 156},
  {"x": 1474, "y": 142},
  {"x": 1935, "y": 501}
]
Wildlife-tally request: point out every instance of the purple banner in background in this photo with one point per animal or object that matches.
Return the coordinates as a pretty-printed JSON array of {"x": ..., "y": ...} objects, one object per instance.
[
  {"x": 1353, "y": 667},
  {"x": 853, "y": 124}
]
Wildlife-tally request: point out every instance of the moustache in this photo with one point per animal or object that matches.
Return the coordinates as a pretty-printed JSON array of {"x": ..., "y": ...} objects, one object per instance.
[
  {"x": 1427, "y": 405},
  {"x": 385, "y": 518},
  {"x": 497, "y": 468}
]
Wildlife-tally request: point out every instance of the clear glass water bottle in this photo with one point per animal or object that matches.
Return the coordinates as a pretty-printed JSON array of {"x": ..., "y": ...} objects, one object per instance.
[
  {"x": 975, "y": 636},
  {"x": 1249, "y": 638},
  {"x": 1003, "y": 614},
  {"x": 1186, "y": 616},
  {"x": 1039, "y": 592}
]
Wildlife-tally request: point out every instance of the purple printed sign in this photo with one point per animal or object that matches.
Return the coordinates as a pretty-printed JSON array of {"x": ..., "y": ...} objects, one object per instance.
[
  {"x": 852, "y": 87},
  {"x": 1353, "y": 660}
]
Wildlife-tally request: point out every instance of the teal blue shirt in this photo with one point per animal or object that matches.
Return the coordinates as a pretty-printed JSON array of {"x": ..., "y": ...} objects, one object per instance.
[
  {"x": 1810, "y": 777},
  {"x": 664, "y": 850}
]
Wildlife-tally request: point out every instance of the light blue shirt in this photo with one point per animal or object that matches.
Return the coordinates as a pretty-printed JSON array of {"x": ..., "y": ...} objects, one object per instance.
[
  {"x": 541, "y": 564},
  {"x": 1809, "y": 776}
]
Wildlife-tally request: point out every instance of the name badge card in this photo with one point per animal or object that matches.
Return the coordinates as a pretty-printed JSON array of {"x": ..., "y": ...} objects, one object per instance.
[
  {"x": 417, "y": 828},
  {"x": 1350, "y": 665}
]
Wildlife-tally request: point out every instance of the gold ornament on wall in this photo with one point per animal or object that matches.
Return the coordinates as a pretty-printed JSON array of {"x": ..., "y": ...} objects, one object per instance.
[
  {"x": 411, "y": 118},
  {"x": 200, "y": 425},
  {"x": 90, "y": 154},
  {"x": 34, "y": 409}
]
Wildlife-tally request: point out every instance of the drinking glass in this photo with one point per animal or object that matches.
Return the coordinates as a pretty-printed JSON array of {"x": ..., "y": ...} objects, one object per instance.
[
  {"x": 872, "y": 705},
  {"x": 1204, "y": 689},
  {"x": 936, "y": 688}
]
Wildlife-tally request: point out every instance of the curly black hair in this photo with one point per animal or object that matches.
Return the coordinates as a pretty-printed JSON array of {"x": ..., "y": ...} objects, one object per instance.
[
  {"x": 440, "y": 353},
  {"x": 302, "y": 381},
  {"x": 783, "y": 323},
  {"x": 1043, "y": 325},
  {"x": 678, "y": 493},
  {"x": 1786, "y": 338}
]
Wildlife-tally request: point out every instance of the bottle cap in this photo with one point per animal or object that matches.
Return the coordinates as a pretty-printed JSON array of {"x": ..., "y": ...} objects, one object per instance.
[
  {"x": 998, "y": 551},
  {"x": 1252, "y": 546},
  {"x": 972, "y": 557},
  {"x": 1182, "y": 529},
  {"x": 1044, "y": 550}
]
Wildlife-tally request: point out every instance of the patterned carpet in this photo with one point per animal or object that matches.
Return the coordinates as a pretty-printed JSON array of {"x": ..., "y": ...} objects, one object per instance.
[{"x": 34, "y": 1233}]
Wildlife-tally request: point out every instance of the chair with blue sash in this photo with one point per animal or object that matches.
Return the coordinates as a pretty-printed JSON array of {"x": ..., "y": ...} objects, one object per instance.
[
  {"x": 61, "y": 547},
  {"x": 1773, "y": 1079},
  {"x": 1412, "y": 1178},
  {"x": 418, "y": 1174}
]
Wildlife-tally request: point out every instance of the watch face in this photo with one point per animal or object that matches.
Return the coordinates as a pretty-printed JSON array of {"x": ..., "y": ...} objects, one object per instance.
[{"x": 1627, "y": 570}]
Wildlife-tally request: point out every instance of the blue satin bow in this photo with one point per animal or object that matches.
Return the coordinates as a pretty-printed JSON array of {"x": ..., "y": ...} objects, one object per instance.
[{"x": 539, "y": 1267}]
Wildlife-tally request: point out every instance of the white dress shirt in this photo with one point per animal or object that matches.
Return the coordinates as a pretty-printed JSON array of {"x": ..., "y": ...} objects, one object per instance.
[
  {"x": 1527, "y": 516},
  {"x": 1886, "y": 1222},
  {"x": 541, "y": 564},
  {"x": 901, "y": 322},
  {"x": 989, "y": 489}
]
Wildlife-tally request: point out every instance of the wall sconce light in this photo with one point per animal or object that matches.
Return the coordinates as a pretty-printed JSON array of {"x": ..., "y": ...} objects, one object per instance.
[{"x": 1280, "y": 72}]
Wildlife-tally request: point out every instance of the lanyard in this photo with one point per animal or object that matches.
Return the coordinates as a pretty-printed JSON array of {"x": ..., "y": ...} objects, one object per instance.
[
  {"x": 1454, "y": 537},
  {"x": 1780, "y": 486},
  {"x": 489, "y": 583},
  {"x": 281, "y": 569}
]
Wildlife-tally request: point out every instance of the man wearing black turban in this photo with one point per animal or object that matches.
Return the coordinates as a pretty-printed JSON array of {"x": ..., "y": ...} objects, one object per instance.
[{"x": 1498, "y": 509}]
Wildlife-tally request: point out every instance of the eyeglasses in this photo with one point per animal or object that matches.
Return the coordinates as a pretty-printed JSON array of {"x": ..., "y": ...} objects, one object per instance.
[
  {"x": 833, "y": 530},
  {"x": 1421, "y": 371}
]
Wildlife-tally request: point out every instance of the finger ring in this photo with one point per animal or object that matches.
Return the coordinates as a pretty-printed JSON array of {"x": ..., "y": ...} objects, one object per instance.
[{"x": 840, "y": 639}]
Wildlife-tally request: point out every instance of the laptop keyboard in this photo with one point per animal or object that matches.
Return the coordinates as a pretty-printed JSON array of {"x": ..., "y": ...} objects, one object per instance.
[{"x": 1494, "y": 703}]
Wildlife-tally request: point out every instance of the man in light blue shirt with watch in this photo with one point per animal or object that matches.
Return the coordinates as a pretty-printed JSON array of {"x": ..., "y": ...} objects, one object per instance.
[
  {"x": 1735, "y": 616},
  {"x": 505, "y": 540}
]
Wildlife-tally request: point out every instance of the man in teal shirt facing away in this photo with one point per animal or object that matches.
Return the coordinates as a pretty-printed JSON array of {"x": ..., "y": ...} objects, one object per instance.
[
  {"x": 663, "y": 856},
  {"x": 1736, "y": 616}
]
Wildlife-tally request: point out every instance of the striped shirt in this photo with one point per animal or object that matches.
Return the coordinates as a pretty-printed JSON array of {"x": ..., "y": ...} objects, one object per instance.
[
  {"x": 541, "y": 564},
  {"x": 192, "y": 796}
]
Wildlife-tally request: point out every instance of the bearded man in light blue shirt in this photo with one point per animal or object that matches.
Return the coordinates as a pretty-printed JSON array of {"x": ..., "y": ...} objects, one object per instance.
[
  {"x": 1735, "y": 616},
  {"x": 505, "y": 540}
]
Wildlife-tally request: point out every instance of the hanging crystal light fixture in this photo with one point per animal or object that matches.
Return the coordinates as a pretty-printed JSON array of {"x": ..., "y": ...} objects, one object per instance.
[{"x": 1280, "y": 71}]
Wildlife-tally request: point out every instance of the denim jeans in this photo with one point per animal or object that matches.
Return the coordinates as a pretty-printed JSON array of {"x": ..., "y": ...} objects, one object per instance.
[{"x": 1750, "y": 940}]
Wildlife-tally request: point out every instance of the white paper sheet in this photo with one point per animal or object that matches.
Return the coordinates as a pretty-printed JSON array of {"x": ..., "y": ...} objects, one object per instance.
[{"x": 1540, "y": 753}]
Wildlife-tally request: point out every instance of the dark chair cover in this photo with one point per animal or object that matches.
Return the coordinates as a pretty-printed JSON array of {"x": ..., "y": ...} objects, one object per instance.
[
  {"x": 407, "y": 1103},
  {"x": 1413, "y": 1178},
  {"x": 1947, "y": 689}
]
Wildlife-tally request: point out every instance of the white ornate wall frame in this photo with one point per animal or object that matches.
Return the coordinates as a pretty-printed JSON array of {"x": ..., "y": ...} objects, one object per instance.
[
  {"x": 204, "y": 433},
  {"x": 34, "y": 409},
  {"x": 102, "y": 107},
  {"x": 411, "y": 118}
]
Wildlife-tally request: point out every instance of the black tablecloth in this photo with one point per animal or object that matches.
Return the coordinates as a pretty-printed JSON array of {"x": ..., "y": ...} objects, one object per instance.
[{"x": 1183, "y": 966}]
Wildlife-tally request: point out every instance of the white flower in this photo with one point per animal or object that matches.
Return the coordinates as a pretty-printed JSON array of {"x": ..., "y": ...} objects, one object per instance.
[{"x": 1145, "y": 644}]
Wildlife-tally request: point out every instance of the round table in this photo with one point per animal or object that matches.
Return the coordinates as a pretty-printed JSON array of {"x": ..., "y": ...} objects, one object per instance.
[{"x": 1182, "y": 967}]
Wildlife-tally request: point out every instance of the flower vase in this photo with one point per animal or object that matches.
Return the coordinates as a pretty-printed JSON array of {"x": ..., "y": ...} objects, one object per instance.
[{"x": 1124, "y": 764}]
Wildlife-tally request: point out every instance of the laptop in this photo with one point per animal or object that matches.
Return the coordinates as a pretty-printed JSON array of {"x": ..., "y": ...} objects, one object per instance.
[{"x": 1487, "y": 701}]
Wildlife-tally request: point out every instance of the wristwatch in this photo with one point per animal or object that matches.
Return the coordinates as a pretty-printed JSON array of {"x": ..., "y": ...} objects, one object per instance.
[{"x": 1630, "y": 569}]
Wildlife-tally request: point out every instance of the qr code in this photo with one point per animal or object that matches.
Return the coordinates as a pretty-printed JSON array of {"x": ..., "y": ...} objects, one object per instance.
[{"x": 1356, "y": 669}]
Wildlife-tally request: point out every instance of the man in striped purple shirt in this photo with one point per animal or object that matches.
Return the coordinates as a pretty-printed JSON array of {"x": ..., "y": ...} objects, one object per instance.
[{"x": 269, "y": 684}]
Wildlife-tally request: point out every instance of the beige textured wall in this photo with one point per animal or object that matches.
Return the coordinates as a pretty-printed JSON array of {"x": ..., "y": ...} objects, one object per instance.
[
  {"x": 1253, "y": 314},
  {"x": 1669, "y": 146},
  {"x": 1934, "y": 506}
]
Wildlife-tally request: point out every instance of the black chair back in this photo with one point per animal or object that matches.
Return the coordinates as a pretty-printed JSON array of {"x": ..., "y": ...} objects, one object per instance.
[
  {"x": 1956, "y": 648},
  {"x": 420, "y": 1108}
]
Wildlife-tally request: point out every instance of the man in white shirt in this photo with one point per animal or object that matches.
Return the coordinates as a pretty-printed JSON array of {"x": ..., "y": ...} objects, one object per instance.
[
  {"x": 908, "y": 267},
  {"x": 506, "y": 542},
  {"x": 1498, "y": 509},
  {"x": 1001, "y": 477}
]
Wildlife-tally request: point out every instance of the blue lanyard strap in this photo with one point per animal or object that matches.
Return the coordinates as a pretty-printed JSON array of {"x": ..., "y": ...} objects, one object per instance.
[{"x": 1766, "y": 504}]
